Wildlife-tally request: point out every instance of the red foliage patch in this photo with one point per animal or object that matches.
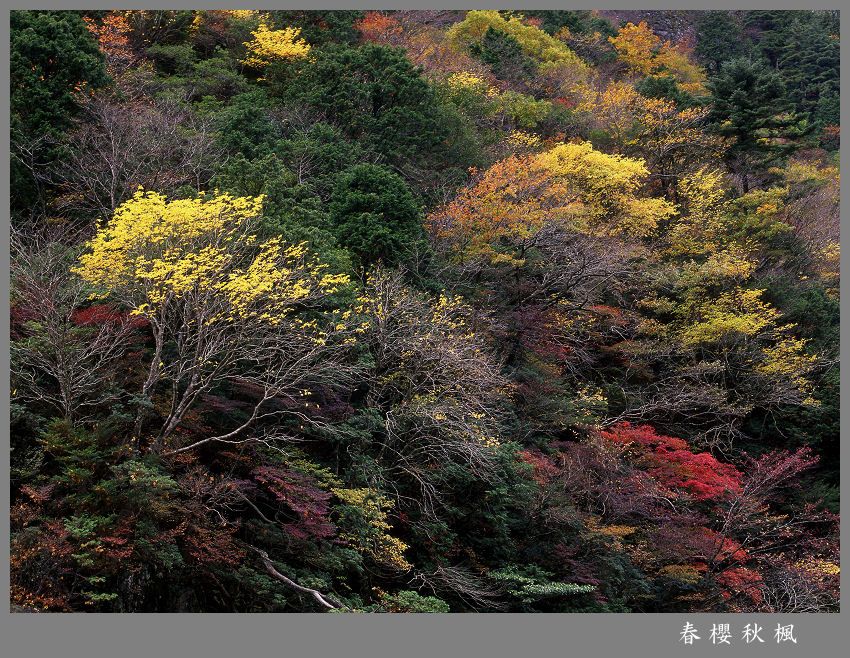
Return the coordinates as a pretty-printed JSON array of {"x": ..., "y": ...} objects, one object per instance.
[
  {"x": 740, "y": 579},
  {"x": 544, "y": 467},
  {"x": 101, "y": 314},
  {"x": 669, "y": 460},
  {"x": 374, "y": 26}
]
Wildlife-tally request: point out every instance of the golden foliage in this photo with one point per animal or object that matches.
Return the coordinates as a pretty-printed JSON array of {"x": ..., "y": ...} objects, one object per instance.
[
  {"x": 571, "y": 184},
  {"x": 271, "y": 46},
  {"x": 645, "y": 54},
  {"x": 159, "y": 252},
  {"x": 376, "y": 540},
  {"x": 638, "y": 47}
]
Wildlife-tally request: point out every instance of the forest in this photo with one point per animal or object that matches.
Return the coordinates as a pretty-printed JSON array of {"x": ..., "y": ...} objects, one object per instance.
[{"x": 424, "y": 311}]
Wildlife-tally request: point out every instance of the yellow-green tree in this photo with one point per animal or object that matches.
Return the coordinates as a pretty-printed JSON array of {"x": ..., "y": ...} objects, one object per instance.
[
  {"x": 369, "y": 530},
  {"x": 607, "y": 188},
  {"x": 221, "y": 304},
  {"x": 549, "y": 53},
  {"x": 487, "y": 104},
  {"x": 718, "y": 347}
]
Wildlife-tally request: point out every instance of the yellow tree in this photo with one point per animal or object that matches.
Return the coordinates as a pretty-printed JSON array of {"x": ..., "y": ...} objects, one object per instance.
[
  {"x": 551, "y": 228},
  {"x": 269, "y": 46},
  {"x": 220, "y": 303},
  {"x": 717, "y": 348},
  {"x": 673, "y": 142},
  {"x": 613, "y": 108},
  {"x": 691, "y": 77},
  {"x": 645, "y": 54},
  {"x": 638, "y": 46},
  {"x": 607, "y": 189},
  {"x": 572, "y": 186}
]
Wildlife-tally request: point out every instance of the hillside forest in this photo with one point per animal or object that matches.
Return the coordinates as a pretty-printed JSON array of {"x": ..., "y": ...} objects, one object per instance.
[{"x": 424, "y": 311}]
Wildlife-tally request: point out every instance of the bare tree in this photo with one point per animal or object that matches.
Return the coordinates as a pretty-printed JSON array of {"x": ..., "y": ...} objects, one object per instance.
[
  {"x": 786, "y": 590},
  {"x": 431, "y": 382},
  {"x": 462, "y": 583},
  {"x": 33, "y": 153},
  {"x": 118, "y": 147},
  {"x": 62, "y": 356}
]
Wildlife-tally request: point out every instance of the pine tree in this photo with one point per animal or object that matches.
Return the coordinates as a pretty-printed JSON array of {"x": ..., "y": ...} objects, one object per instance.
[
  {"x": 375, "y": 215},
  {"x": 750, "y": 108},
  {"x": 718, "y": 40},
  {"x": 810, "y": 65}
]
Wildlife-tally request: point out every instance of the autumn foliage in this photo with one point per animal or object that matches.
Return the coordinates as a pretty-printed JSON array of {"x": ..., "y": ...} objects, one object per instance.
[
  {"x": 424, "y": 311},
  {"x": 673, "y": 465}
]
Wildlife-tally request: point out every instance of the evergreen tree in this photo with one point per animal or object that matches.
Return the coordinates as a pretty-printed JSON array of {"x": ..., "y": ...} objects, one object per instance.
[
  {"x": 51, "y": 54},
  {"x": 247, "y": 125},
  {"x": 375, "y": 216},
  {"x": 803, "y": 47},
  {"x": 318, "y": 27},
  {"x": 377, "y": 96},
  {"x": 767, "y": 29},
  {"x": 810, "y": 65},
  {"x": 666, "y": 87},
  {"x": 751, "y": 109},
  {"x": 581, "y": 21},
  {"x": 718, "y": 39},
  {"x": 503, "y": 54}
]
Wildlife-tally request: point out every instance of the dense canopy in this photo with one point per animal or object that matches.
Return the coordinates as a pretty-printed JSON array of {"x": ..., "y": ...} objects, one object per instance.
[{"x": 425, "y": 311}]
